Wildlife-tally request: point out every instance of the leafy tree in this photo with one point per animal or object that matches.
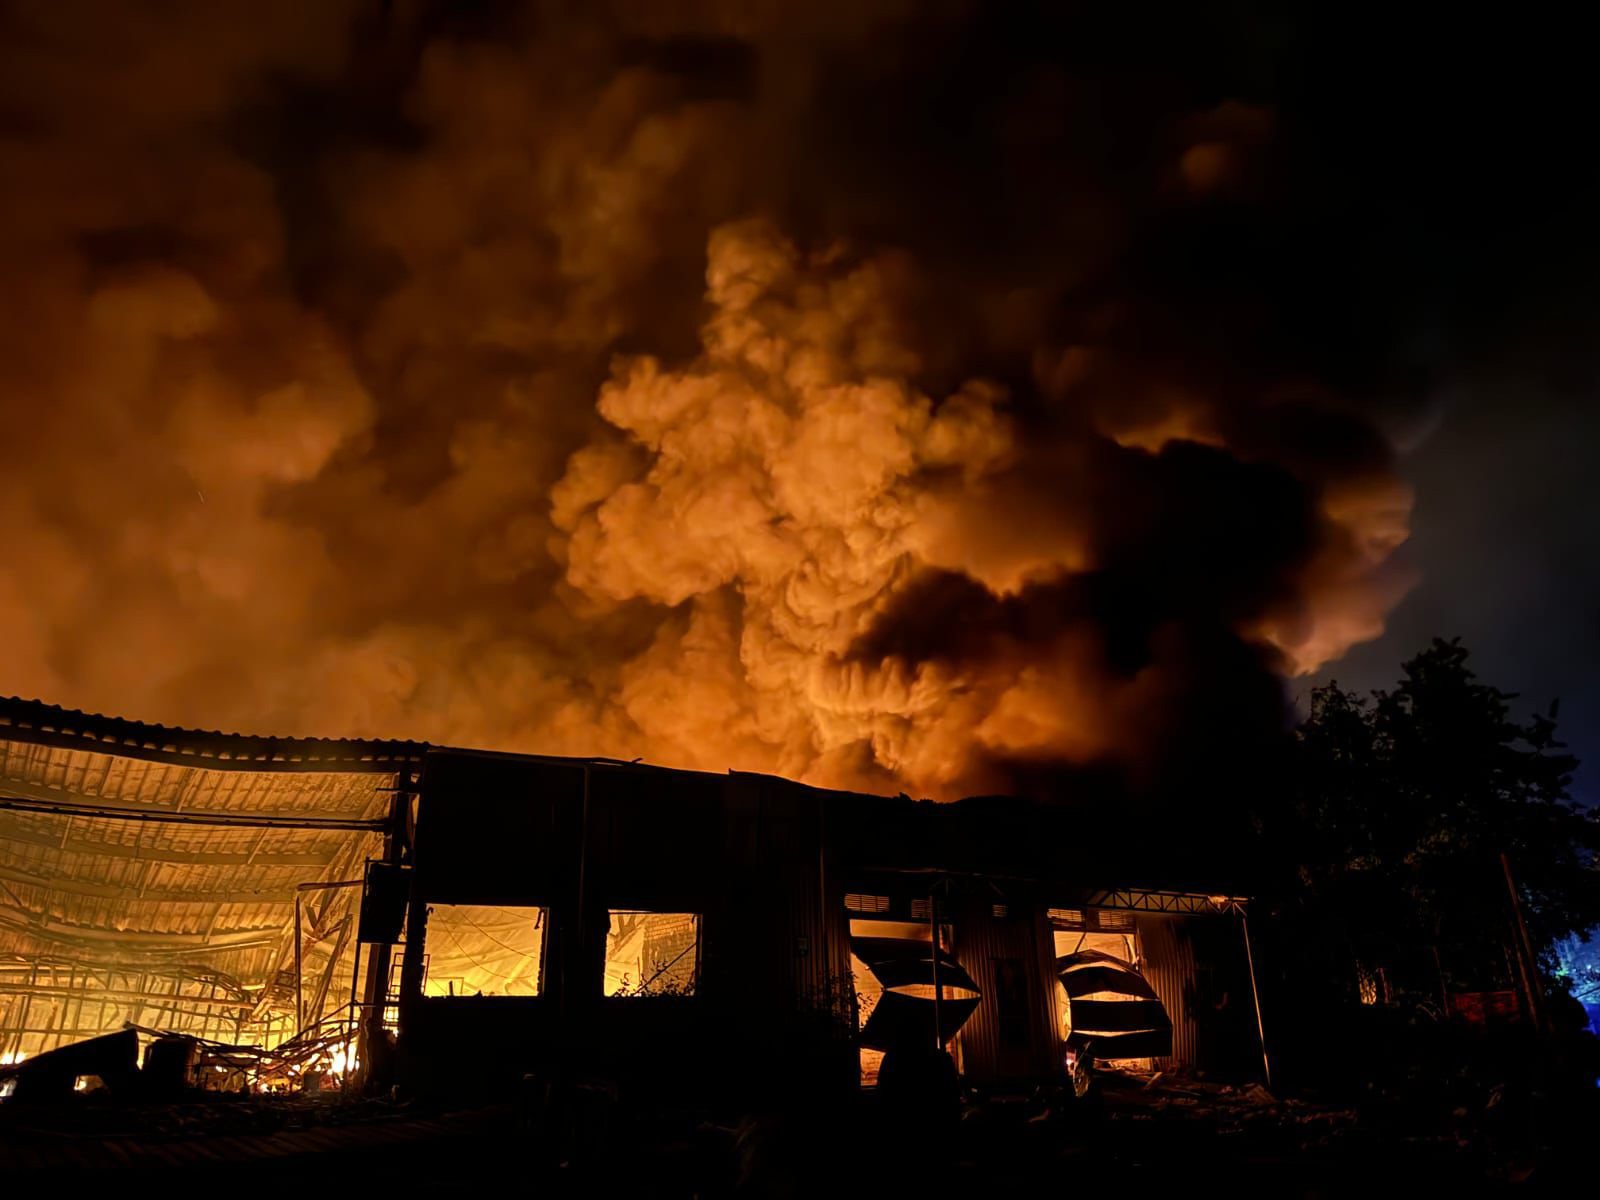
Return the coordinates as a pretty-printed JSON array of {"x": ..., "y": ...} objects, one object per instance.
[{"x": 1406, "y": 802}]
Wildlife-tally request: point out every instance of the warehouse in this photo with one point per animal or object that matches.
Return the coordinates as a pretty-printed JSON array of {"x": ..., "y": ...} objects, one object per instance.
[
  {"x": 669, "y": 929},
  {"x": 524, "y": 915}
]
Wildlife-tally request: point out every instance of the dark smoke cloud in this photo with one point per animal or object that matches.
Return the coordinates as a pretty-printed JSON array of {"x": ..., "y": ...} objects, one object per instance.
[{"x": 902, "y": 395}]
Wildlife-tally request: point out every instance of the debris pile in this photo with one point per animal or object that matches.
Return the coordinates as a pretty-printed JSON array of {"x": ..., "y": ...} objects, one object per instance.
[{"x": 320, "y": 1059}]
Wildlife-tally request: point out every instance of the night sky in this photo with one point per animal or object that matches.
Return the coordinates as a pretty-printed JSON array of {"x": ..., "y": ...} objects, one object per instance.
[
  {"x": 1504, "y": 542},
  {"x": 1468, "y": 138}
]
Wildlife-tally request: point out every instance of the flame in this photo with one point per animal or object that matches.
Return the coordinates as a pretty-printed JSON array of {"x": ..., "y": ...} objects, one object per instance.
[{"x": 344, "y": 1059}]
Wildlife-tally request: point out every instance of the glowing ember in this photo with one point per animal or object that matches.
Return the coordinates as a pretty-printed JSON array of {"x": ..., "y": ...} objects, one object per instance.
[{"x": 343, "y": 1059}]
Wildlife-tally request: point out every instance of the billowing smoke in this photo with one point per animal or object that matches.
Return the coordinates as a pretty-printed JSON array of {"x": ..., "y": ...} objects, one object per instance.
[{"x": 882, "y": 399}]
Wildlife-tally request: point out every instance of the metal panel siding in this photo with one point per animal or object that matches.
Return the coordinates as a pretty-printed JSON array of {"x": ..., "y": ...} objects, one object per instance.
[
  {"x": 1168, "y": 953},
  {"x": 782, "y": 958},
  {"x": 788, "y": 903},
  {"x": 818, "y": 939},
  {"x": 980, "y": 939}
]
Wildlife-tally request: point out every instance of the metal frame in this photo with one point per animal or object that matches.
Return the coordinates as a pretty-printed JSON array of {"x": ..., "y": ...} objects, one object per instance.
[
  {"x": 234, "y": 820},
  {"x": 1134, "y": 900},
  {"x": 76, "y": 1000}
]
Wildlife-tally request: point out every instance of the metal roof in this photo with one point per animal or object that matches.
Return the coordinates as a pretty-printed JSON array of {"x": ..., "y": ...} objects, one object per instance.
[
  {"x": 49, "y": 724},
  {"x": 137, "y": 858}
]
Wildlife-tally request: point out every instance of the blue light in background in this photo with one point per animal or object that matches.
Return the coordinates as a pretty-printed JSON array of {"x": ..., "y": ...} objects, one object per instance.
[{"x": 1580, "y": 966}]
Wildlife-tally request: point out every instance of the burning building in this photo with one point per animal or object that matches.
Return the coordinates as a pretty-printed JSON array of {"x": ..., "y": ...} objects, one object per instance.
[
  {"x": 483, "y": 917},
  {"x": 196, "y": 882}
]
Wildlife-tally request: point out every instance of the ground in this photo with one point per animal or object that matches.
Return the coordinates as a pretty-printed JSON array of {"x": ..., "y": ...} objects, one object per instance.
[{"x": 1138, "y": 1134}]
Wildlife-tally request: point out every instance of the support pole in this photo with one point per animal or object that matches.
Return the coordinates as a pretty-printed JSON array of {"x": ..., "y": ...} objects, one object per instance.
[
  {"x": 938, "y": 989},
  {"x": 355, "y": 1011},
  {"x": 319, "y": 999},
  {"x": 27, "y": 1003},
  {"x": 580, "y": 905},
  {"x": 1255, "y": 994},
  {"x": 352, "y": 1024},
  {"x": 299, "y": 993},
  {"x": 376, "y": 998}
]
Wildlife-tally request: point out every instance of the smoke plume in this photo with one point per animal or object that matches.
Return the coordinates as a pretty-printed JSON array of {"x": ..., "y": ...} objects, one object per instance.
[{"x": 879, "y": 397}]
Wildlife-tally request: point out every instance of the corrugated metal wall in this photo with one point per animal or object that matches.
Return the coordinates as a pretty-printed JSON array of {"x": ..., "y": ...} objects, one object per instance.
[
  {"x": 982, "y": 939},
  {"x": 1168, "y": 952},
  {"x": 789, "y": 900}
]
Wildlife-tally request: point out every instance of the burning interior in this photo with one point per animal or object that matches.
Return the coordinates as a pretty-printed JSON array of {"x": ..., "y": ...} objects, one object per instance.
[{"x": 184, "y": 882}]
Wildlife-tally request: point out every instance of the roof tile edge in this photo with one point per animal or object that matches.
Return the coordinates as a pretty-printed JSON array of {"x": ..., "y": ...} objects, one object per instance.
[{"x": 36, "y": 721}]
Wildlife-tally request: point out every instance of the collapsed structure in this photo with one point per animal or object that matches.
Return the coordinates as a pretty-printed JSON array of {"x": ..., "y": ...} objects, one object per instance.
[
  {"x": 179, "y": 879},
  {"x": 523, "y": 915}
]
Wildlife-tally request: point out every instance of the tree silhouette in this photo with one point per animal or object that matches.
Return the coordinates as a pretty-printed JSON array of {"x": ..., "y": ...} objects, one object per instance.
[{"x": 1405, "y": 803}]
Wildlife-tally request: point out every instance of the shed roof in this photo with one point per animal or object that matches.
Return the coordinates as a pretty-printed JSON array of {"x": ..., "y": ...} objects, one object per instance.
[{"x": 139, "y": 859}]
